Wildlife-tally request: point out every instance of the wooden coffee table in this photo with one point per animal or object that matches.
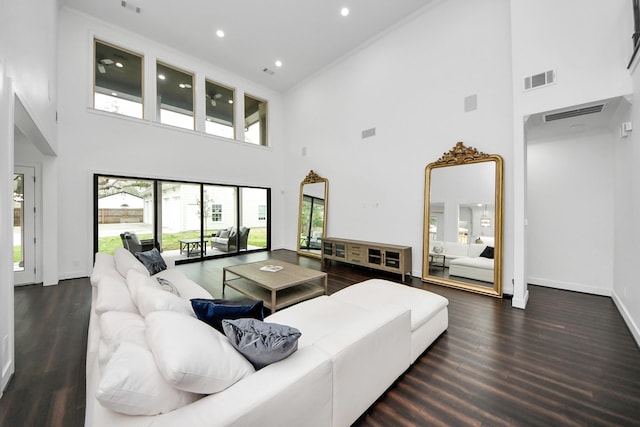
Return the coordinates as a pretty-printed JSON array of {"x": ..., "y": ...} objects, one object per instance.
[{"x": 277, "y": 289}]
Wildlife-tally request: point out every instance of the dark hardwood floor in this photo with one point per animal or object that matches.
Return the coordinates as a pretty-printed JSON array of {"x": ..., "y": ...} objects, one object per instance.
[{"x": 568, "y": 359}]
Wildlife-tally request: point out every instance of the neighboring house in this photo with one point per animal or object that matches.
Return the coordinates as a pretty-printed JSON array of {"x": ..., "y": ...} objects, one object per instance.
[{"x": 121, "y": 200}]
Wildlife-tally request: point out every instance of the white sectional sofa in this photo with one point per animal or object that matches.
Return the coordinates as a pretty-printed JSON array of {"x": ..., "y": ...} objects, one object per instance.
[
  {"x": 354, "y": 345},
  {"x": 464, "y": 260}
]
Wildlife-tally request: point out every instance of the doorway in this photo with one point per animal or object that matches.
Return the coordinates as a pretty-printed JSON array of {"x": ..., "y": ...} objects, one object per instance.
[{"x": 24, "y": 226}]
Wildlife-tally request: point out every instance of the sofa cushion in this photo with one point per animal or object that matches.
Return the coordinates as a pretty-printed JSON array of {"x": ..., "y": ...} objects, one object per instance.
[
  {"x": 132, "y": 384},
  {"x": 113, "y": 295},
  {"x": 213, "y": 311},
  {"x": 149, "y": 297},
  {"x": 373, "y": 293},
  {"x": 317, "y": 317},
  {"x": 115, "y": 327},
  {"x": 261, "y": 343},
  {"x": 193, "y": 356},
  {"x": 125, "y": 261},
  {"x": 152, "y": 260},
  {"x": 104, "y": 265}
]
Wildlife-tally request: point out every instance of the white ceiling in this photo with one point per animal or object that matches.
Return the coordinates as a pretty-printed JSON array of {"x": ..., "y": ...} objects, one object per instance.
[{"x": 306, "y": 35}]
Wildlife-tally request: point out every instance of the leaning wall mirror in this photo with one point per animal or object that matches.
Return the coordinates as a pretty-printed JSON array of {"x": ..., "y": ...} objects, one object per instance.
[
  {"x": 312, "y": 215},
  {"x": 462, "y": 245}
]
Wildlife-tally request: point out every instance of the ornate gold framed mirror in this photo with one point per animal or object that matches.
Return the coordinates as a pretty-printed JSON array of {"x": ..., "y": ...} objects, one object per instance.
[
  {"x": 312, "y": 215},
  {"x": 462, "y": 244}
]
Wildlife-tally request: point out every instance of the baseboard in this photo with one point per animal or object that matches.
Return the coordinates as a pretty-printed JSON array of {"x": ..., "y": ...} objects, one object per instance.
[
  {"x": 633, "y": 328},
  {"x": 7, "y": 374},
  {"x": 520, "y": 303},
  {"x": 569, "y": 286}
]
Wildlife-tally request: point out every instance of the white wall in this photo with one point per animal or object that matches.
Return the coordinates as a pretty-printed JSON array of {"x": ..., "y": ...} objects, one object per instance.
[
  {"x": 571, "y": 211},
  {"x": 410, "y": 85},
  {"x": 28, "y": 65},
  {"x": 94, "y": 142},
  {"x": 626, "y": 288},
  {"x": 588, "y": 44}
]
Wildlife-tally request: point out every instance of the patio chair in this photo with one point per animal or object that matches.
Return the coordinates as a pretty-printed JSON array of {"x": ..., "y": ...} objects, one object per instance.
[
  {"x": 134, "y": 245},
  {"x": 225, "y": 240}
]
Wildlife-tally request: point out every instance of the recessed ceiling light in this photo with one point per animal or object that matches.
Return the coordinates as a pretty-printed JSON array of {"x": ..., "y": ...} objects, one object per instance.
[
  {"x": 278, "y": 63},
  {"x": 344, "y": 11},
  {"x": 231, "y": 101},
  {"x": 161, "y": 76},
  {"x": 184, "y": 86},
  {"x": 119, "y": 64},
  {"x": 220, "y": 33}
]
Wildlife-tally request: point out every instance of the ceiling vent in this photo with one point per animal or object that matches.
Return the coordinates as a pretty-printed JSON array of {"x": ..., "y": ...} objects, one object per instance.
[
  {"x": 575, "y": 112},
  {"x": 130, "y": 6},
  {"x": 539, "y": 80}
]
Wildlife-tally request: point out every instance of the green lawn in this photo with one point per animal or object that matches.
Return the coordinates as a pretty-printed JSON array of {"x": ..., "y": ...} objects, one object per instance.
[{"x": 257, "y": 237}]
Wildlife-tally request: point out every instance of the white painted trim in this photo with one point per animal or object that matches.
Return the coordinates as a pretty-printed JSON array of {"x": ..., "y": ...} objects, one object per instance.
[
  {"x": 569, "y": 286},
  {"x": 633, "y": 328},
  {"x": 521, "y": 303}
]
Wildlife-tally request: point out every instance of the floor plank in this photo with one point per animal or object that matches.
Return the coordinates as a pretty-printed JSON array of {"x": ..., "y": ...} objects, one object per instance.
[{"x": 567, "y": 360}]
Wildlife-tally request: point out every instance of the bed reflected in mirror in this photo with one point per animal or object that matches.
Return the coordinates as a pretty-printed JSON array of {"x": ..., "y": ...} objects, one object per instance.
[{"x": 463, "y": 221}]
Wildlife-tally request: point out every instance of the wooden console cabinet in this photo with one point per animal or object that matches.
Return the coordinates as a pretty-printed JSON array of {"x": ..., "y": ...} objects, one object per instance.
[{"x": 392, "y": 258}]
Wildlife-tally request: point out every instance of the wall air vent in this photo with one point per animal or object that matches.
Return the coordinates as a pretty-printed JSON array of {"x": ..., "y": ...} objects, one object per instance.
[
  {"x": 575, "y": 112},
  {"x": 539, "y": 80}
]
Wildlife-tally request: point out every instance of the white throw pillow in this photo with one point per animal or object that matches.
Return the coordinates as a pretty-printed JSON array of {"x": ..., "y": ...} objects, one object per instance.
[
  {"x": 104, "y": 265},
  {"x": 135, "y": 280},
  {"x": 131, "y": 384},
  {"x": 191, "y": 355},
  {"x": 113, "y": 295},
  {"x": 126, "y": 261},
  {"x": 149, "y": 297},
  {"x": 475, "y": 249},
  {"x": 115, "y": 327}
]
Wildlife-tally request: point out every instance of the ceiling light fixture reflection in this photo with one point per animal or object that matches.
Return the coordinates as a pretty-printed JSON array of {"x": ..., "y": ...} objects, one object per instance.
[
  {"x": 161, "y": 77},
  {"x": 119, "y": 64},
  {"x": 344, "y": 11},
  {"x": 231, "y": 101},
  {"x": 184, "y": 86},
  {"x": 220, "y": 33},
  {"x": 278, "y": 63}
]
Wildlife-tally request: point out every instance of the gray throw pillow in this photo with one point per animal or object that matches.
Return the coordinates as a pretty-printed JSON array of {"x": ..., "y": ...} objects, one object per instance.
[
  {"x": 166, "y": 285},
  {"x": 259, "y": 342},
  {"x": 152, "y": 260}
]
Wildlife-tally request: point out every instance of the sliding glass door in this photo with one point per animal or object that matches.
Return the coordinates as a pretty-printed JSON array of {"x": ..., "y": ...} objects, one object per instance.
[
  {"x": 184, "y": 220},
  {"x": 123, "y": 205}
]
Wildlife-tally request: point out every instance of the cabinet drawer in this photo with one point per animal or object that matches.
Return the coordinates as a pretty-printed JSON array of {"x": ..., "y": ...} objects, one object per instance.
[
  {"x": 393, "y": 263},
  {"x": 356, "y": 259}
]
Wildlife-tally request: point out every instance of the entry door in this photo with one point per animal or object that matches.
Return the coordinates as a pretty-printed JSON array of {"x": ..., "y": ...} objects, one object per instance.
[{"x": 24, "y": 226}]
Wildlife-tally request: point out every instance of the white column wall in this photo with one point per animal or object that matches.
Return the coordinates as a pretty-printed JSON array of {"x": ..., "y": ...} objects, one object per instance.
[
  {"x": 97, "y": 142},
  {"x": 410, "y": 85},
  {"x": 7, "y": 353},
  {"x": 626, "y": 288}
]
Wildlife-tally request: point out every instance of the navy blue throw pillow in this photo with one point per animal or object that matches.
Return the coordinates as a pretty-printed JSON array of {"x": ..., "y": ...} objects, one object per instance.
[{"x": 214, "y": 311}]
